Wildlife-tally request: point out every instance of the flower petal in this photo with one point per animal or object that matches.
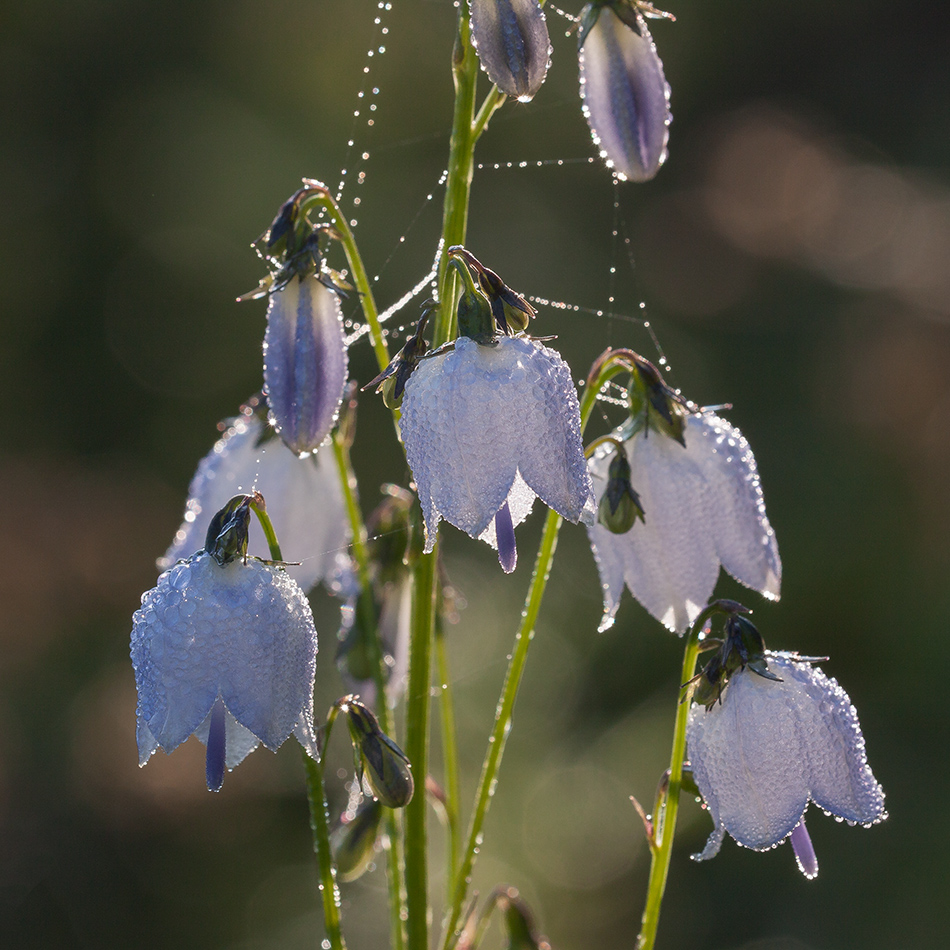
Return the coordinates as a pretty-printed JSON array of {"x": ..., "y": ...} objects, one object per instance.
[
  {"x": 669, "y": 559},
  {"x": 310, "y": 532},
  {"x": 305, "y": 362},
  {"x": 747, "y": 759},
  {"x": 626, "y": 96},
  {"x": 744, "y": 539},
  {"x": 266, "y": 651}
]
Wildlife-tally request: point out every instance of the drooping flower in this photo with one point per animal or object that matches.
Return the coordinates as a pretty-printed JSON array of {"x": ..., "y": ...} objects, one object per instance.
[
  {"x": 773, "y": 745},
  {"x": 512, "y": 43},
  {"x": 305, "y": 361},
  {"x": 702, "y": 507},
  {"x": 305, "y": 501},
  {"x": 489, "y": 427},
  {"x": 224, "y": 648},
  {"x": 625, "y": 93}
]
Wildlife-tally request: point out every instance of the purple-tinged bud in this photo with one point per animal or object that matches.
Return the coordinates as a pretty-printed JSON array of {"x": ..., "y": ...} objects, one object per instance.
[
  {"x": 626, "y": 96},
  {"x": 513, "y": 46},
  {"x": 305, "y": 362},
  {"x": 384, "y": 764},
  {"x": 353, "y": 841}
]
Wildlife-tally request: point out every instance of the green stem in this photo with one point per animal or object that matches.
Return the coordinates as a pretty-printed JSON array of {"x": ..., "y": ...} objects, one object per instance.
[
  {"x": 267, "y": 526},
  {"x": 665, "y": 819},
  {"x": 319, "y": 823},
  {"x": 458, "y": 186},
  {"x": 369, "y": 621},
  {"x": 605, "y": 370},
  {"x": 324, "y": 197},
  {"x": 417, "y": 742},
  {"x": 449, "y": 755}
]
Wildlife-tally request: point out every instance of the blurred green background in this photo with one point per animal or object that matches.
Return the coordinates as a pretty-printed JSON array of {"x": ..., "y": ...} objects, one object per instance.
[{"x": 794, "y": 260}]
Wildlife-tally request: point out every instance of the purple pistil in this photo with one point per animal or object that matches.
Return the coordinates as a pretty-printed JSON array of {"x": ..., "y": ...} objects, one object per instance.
[
  {"x": 214, "y": 763},
  {"x": 804, "y": 851},
  {"x": 505, "y": 536}
]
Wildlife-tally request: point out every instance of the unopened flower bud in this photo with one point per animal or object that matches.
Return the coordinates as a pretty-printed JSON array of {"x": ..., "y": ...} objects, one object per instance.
[
  {"x": 385, "y": 765},
  {"x": 353, "y": 843},
  {"x": 626, "y": 96},
  {"x": 511, "y": 39},
  {"x": 519, "y": 921}
]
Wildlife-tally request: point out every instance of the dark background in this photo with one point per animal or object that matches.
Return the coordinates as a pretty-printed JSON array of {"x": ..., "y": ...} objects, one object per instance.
[{"x": 794, "y": 260}]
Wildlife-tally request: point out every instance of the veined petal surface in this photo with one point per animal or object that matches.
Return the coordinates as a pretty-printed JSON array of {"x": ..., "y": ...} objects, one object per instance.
[
  {"x": 770, "y": 747},
  {"x": 626, "y": 96},
  {"x": 476, "y": 416},
  {"x": 305, "y": 362},
  {"x": 703, "y": 506},
  {"x": 512, "y": 43},
  {"x": 243, "y": 632}
]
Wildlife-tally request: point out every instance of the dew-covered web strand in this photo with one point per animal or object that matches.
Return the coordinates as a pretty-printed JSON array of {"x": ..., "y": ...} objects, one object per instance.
[{"x": 365, "y": 110}]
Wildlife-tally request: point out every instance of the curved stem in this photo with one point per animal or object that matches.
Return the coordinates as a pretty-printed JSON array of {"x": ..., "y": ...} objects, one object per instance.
[
  {"x": 370, "y": 622},
  {"x": 267, "y": 526},
  {"x": 665, "y": 819},
  {"x": 319, "y": 824},
  {"x": 323, "y": 196}
]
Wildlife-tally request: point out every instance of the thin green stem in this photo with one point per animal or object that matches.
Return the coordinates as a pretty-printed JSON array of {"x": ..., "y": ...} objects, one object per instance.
[
  {"x": 324, "y": 197},
  {"x": 665, "y": 819},
  {"x": 417, "y": 742},
  {"x": 458, "y": 185},
  {"x": 450, "y": 758},
  {"x": 502, "y": 727},
  {"x": 605, "y": 369},
  {"x": 267, "y": 526},
  {"x": 319, "y": 823},
  {"x": 369, "y": 621}
]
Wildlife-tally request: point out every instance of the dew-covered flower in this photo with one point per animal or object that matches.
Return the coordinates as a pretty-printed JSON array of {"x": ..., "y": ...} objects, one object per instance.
[
  {"x": 487, "y": 428},
  {"x": 512, "y": 43},
  {"x": 773, "y": 745},
  {"x": 625, "y": 94},
  {"x": 702, "y": 507},
  {"x": 304, "y": 499},
  {"x": 226, "y": 652},
  {"x": 305, "y": 361}
]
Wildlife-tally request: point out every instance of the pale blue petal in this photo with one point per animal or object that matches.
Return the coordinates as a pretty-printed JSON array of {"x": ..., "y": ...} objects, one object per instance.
[
  {"x": 744, "y": 539},
  {"x": 303, "y": 496}
]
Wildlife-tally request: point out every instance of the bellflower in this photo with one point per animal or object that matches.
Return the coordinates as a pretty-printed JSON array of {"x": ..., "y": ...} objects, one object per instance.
[
  {"x": 227, "y": 652},
  {"x": 512, "y": 43},
  {"x": 305, "y": 360},
  {"x": 771, "y": 746},
  {"x": 487, "y": 428},
  {"x": 305, "y": 501},
  {"x": 699, "y": 506},
  {"x": 625, "y": 94}
]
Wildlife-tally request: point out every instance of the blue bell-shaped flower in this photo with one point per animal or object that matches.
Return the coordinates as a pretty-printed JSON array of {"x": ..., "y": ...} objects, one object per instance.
[
  {"x": 305, "y": 361},
  {"x": 512, "y": 43},
  {"x": 625, "y": 93},
  {"x": 305, "y": 501},
  {"x": 227, "y": 653},
  {"x": 702, "y": 507},
  {"x": 773, "y": 745},
  {"x": 487, "y": 428}
]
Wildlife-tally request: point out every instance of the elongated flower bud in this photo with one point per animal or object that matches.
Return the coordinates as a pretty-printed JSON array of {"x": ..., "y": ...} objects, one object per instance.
[
  {"x": 626, "y": 96},
  {"x": 511, "y": 39},
  {"x": 305, "y": 362},
  {"x": 386, "y": 767},
  {"x": 354, "y": 843}
]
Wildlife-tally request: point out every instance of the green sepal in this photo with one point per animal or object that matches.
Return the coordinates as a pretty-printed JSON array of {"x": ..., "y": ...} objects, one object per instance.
[{"x": 227, "y": 533}]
